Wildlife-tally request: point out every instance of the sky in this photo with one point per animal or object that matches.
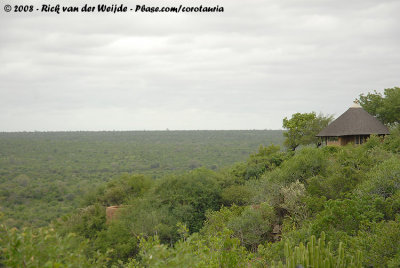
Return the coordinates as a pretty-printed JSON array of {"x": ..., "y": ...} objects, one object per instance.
[{"x": 245, "y": 68}]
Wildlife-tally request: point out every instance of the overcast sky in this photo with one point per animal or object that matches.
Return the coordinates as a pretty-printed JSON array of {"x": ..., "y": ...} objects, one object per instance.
[{"x": 246, "y": 68}]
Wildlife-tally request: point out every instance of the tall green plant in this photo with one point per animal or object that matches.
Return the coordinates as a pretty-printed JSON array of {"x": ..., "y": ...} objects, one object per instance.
[{"x": 317, "y": 254}]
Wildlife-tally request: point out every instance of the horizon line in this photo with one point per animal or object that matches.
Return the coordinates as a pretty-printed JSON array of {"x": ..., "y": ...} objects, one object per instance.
[{"x": 138, "y": 130}]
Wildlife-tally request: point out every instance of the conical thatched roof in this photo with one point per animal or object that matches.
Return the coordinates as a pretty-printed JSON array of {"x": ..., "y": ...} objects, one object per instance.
[{"x": 355, "y": 121}]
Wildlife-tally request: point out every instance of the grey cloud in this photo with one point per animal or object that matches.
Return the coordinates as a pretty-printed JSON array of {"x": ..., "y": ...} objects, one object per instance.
[{"x": 249, "y": 67}]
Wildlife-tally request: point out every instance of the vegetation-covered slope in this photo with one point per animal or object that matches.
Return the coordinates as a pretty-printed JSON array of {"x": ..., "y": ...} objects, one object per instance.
[{"x": 335, "y": 206}]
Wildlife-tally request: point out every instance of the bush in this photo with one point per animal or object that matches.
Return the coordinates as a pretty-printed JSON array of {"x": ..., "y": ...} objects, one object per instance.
[
  {"x": 345, "y": 216},
  {"x": 118, "y": 191},
  {"x": 118, "y": 240},
  {"x": 307, "y": 163},
  {"x": 254, "y": 225},
  {"x": 219, "y": 250},
  {"x": 189, "y": 196},
  {"x": 266, "y": 159},
  {"x": 44, "y": 247},
  {"x": 293, "y": 197},
  {"x": 392, "y": 141},
  {"x": 236, "y": 194},
  {"x": 87, "y": 222},
  {"x": 380, "y": 243},
  {"x": 383, "y": 180}
]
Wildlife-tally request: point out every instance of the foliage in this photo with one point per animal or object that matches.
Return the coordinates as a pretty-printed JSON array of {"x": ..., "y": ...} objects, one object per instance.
[
  {"x": 386, "y": 107},
  {"x": 305, "y": 164},
  {"x": 219, "y": 250},
  {"x": 236, "y": 194},
  {"x": 120, "y": 190},
  {"x": 345, "y": 170},
  {"x": 318, "y": 254},
  {"x": 302, "y": 128},
  {"x": 253, "y": 226},
  {"x": 380, "y": 243},
  {"x": 44, "y": 247},
  {"x": 86, "y": 222},
  {"x": 392, "y": 142},
  {"x": 293, "y": 201},
  {"x": 266, "y": 159},
  {"x": 117, "y": 240},
  {"x": 190, "y": 196},
  {"x": 346, "y": 216},
  {"x": 383, "y": 180},
  {"x": 44, "y": 175},
  {"x": 182, "y": 198},
  {"x": 216, "y": 220}
]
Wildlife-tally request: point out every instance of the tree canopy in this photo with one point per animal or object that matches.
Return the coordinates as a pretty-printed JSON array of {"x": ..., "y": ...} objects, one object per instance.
[
  {"x": 302, "y": 128},
  {"x": 385, "y": 107}
]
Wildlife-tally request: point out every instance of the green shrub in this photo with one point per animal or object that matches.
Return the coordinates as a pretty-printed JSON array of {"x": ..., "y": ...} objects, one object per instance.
[
  {"x": 380, "y": 243},
  {"x": 345, "y": 216},
  {"x": 392, "y": 141},
  {"x": 293, "y": 201},
  {"x": 86, "y": 222},
  {"x": 317, "y": 254},
  {"x": 305, "y": 164},
  {"x": 219, "y": 250},
  {"x": 236, "y": 194},
  {"x": 44, "y": 247},
  {"x": 384, "y": 179},
  {"x": 118, "y": 240},
  {"x": 254, "y": 225}
]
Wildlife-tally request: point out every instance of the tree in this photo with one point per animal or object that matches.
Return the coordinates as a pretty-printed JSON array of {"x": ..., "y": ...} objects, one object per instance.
[
  {"x": 302, "y": 128},
  {"x": 386, "y": 108}
]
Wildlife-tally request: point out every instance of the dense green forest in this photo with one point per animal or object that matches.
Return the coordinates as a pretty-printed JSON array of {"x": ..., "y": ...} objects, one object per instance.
[
  {"x": 45, "y": 175},
  {"x": 316, "y": 206}
]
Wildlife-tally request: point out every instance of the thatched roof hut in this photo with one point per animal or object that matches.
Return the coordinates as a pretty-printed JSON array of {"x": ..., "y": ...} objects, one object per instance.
[{"x": 355, "y": 125}]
